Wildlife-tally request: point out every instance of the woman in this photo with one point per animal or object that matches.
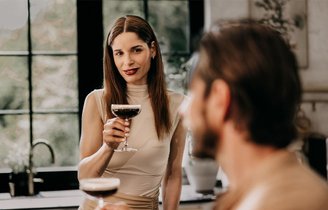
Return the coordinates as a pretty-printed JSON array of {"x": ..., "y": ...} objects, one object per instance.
[{"x": 133, "y": 74}]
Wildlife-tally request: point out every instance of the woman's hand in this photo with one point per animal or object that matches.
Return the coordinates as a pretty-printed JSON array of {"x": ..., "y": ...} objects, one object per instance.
[{"x": 115, "y": 131}]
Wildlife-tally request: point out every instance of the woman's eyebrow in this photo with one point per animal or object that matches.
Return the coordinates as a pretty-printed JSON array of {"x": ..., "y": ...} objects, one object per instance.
[
  {"x": 136, "y": 46},
  {"x": 133, "y": 47}
]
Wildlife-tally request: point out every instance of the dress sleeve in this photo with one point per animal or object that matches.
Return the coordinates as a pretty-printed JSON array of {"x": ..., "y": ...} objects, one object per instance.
[{"x": 98, "y": 95}]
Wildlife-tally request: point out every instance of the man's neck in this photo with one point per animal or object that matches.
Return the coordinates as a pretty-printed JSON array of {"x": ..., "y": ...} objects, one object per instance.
[{"x": 238, "y": 156}]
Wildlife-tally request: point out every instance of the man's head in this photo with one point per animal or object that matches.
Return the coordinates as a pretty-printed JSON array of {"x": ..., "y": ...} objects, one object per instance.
[{"x": 247, "y": 76}]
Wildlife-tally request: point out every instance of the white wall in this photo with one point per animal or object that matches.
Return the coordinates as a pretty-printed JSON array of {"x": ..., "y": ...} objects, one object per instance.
[{"x": 315, "y": 77}]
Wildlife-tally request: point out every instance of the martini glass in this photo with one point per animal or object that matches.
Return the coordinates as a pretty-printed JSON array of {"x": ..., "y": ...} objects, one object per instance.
[
  {"x": 99, "y": 188},
  {"x": 126, "y": 112}
]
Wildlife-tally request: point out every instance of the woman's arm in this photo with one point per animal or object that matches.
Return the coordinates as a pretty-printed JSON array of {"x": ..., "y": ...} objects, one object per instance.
[
  {"x": 97, "y": 141},
  {"x": 172, "y": 182}
]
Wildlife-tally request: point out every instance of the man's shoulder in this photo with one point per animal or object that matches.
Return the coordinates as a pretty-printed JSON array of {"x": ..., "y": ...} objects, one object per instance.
[{"x": 295, "y": 188}]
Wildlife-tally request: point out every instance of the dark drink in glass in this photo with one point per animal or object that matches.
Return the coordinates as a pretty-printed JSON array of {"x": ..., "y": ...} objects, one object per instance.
[
  {"x": 125, "y": 111},
  {"x": 99, "y": 188}
]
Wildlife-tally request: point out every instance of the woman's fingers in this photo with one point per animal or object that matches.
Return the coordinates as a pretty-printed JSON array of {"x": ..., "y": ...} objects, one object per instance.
[
  {"x": 115, "y": 131},
  {"x": 117, "y": 123},
  {"x": 114, "y": 136}
]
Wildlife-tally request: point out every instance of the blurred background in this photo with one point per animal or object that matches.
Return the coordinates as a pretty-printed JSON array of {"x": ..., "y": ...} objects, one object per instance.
[{"x": 51, "y": 58}]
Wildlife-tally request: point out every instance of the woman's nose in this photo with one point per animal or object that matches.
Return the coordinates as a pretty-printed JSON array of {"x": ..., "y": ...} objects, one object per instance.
[{"x": 128, "y": 60}]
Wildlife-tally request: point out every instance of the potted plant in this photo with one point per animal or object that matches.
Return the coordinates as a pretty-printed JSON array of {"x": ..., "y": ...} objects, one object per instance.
[{"x": 17, "y": 160}]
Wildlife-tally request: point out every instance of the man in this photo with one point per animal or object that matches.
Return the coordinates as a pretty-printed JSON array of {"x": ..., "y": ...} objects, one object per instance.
[{"x": 245, "y": 94}]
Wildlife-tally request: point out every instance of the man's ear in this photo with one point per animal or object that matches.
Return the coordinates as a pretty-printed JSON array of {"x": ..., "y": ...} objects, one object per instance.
[{"x": 219, "y": 100}]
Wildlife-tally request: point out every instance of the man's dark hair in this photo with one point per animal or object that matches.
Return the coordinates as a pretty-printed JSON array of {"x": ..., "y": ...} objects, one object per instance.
[{"x": 262, "y": 73}]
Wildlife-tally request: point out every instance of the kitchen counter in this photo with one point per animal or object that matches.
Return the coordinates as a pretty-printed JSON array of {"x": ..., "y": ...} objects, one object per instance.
[
  {"x": 44, "y": 200},
  {"x": 70, "y": 199}
]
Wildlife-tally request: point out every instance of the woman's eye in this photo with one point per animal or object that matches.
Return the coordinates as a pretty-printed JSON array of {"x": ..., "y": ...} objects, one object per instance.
[
  {"x": 118, "y": 53},
  {"x": 137, "y": 50}
]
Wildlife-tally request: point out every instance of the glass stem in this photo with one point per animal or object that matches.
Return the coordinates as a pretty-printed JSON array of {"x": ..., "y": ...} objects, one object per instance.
[
  {"x": 126, "y": 138},
  {"x": 101, "y": 203}
]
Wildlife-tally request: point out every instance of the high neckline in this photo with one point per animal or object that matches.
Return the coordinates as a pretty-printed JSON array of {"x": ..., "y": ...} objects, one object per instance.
[{"x": 137, "y": 90}]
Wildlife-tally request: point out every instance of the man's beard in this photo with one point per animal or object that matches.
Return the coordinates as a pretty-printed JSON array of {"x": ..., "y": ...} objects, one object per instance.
[{"x": 205, "y": 141}]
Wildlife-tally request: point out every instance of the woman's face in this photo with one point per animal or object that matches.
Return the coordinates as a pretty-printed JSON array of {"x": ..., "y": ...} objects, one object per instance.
[{"x": 132, "y": 57}]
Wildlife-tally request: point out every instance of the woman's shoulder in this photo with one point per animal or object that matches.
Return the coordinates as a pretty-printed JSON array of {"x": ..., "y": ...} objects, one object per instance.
[
  {"x": 95, "y": 93},
  {"x": 175, "y": 97},
  {"x": 94, "y": 100},
  {"x": 94, "y": 96}
]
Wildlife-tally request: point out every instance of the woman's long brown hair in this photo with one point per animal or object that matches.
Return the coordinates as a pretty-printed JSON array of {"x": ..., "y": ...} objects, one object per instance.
[{"x": 115, "y": 85}]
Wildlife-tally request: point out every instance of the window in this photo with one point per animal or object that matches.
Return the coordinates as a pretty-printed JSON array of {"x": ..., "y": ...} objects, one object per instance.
[{"x": 38, "y": 82}]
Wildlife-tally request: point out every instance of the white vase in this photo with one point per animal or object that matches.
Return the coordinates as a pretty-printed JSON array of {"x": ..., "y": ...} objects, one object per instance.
[{"x": 201, "y": 174}]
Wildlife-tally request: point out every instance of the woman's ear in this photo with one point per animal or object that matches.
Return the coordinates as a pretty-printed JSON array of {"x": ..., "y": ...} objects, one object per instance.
[{"x": 153, "y": 49}]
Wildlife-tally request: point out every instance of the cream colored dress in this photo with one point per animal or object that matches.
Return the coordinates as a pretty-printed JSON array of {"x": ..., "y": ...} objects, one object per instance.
[{"x": 141, "y": 172}]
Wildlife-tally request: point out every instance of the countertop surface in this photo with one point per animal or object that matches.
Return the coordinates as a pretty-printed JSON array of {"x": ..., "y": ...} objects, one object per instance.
[
  {"x": 51, "y": 199},
  {"x": 72, "y": 199}
]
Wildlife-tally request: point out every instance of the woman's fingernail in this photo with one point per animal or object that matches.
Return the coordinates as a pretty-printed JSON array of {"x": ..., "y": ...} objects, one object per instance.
[
  {"x": 126, "y": 129},
  {"x": 126, "y": 134},
  {"x": 126, "y": 123}
]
